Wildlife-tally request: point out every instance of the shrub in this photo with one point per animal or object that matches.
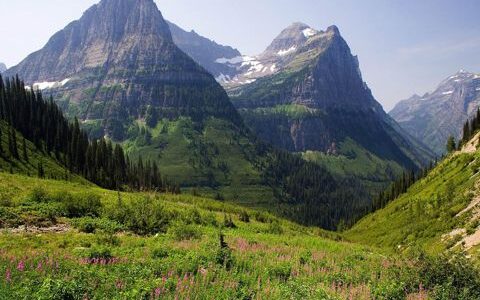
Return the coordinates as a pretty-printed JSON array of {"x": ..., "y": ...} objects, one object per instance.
[
  {"x": 159, "y": 253},
  {"x": 90, "y": 225},
  {"x": 275, "y": 228},
  {"x": 181, "y": 231},
  {"x": 144, "y": 216},
  {"x": 100, "y": 252},
  {"x": 39, "y": 195},
  {"x": 224, "y": 253},
  {"x": 244, "y": 217},
  {"x": 228, "y": 222},
  {"x": 80, "y": 205}
]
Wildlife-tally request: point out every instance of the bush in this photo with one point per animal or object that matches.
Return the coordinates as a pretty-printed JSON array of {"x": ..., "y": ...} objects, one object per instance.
[
  {"x": 90, "y": 225},
  {"x": 88, "y": 205},
  {"x": 183, "y": 231},
  {"x": 275, "y": 228},
  {"x": 144, "y": 216},
  {"x": 39, "y": 195},
  {"x": 228, "y": 222},
  {"x": 159, "y": 253},
  {"x": 100, "y": 253},
  {"x": 244, "y": 217},
  {"x": 452, "y": 277}
]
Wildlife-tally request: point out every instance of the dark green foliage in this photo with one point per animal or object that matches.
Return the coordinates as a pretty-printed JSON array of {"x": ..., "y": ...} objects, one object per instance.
[
  {"x": 450, "y": 277},
  {"x": 469, "y": 129},
  {"x": 399, "y": 187},
  {"x": 42, "y": 122},
  {"x": 316, "y": 196},
  {"x": 244, "y": 217},
  {"x": 228, "y": 222},
  {"x": 145, "y": 216},
  {"x": 224, "y": 253},
  {"x": 451, "y": 145}
]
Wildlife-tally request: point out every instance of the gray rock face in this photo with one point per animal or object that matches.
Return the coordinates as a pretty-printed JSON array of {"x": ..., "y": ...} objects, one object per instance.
[
  {"x": 116, "y": 60},
  {"x": 3, "y": 67},
  {"x": 317, "y": 98},
  {"x": 205, "y": 52},
  {"x": 435, "y": 116}
]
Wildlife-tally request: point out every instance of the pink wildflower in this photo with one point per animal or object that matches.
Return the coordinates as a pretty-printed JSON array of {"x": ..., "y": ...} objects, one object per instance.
[
  {"x": 8, "y": 276},
  {"x": 21, "y": 266}
]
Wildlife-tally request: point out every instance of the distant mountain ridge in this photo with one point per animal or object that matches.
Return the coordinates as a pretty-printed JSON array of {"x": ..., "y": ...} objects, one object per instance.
[
  {"x": 435, "y": 116},
  {"x": 314, "y": 98},
  {"x": 205, "y": 51},
  {"x": 3, "y": 67},
  {"x": 117, "y": 60}
]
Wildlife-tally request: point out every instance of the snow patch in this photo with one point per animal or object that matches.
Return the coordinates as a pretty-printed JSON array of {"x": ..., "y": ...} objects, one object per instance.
[
  {"x": 235, "y": 60},
  {"x": 273, "y": 68},
  {"x": 222, "y": 78},
  {"x": 309, "y": 32},
  {"x": 287, "y": 51},
  {"x": 447, "y": 93},
  {"x": 477, "y": 89},
  {"x": 49, "y": 85}
]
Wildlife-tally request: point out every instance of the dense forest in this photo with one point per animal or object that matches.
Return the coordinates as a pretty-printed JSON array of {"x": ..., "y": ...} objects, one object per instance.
[{"x": 42, "y": 122}]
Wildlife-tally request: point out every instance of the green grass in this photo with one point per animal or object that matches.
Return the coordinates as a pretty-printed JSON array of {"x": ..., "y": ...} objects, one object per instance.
[
  {"x": 266, "y": 257},
  {"x": 354, "y": 160},
  {"x": 292, "y": 111},
  {"x": 8, "y": 163},
  {"x": 420, "y": 217}
]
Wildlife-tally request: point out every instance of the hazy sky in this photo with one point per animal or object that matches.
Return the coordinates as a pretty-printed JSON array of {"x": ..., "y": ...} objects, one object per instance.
[{"x": 404, "y": 46}]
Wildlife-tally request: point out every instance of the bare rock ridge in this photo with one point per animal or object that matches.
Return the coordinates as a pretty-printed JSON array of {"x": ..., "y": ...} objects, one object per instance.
[
  {"x": 315, "y": 96},
  {"x": 435, "y": 116},
  {"x": 118, "y": 59}
]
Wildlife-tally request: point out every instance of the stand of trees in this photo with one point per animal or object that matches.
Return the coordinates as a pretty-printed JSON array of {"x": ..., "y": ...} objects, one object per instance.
[
  {"x": 42, "y": 122},
  {"x": 471, "y": 127},
  {"x": 399, "y": 187},
  {"x": 311, "y": 195}
]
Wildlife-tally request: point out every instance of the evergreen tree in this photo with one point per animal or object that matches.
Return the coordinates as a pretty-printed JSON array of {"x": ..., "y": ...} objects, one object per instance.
[
  {"x": 24, "y": 148},
  {"x": 451, "y": 144}
]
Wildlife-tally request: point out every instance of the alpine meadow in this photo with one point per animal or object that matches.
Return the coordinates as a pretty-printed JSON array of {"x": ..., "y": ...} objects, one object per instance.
[{"x": 143, "y": 160}]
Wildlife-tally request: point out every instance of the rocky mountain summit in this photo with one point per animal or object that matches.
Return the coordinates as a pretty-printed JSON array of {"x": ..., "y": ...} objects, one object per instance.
[
  {"x": 437, "y": 115},
  {"x": 205, "y": 52},
  {"x": 306, "y": 92},
  {"x": 117, "y": 60}
]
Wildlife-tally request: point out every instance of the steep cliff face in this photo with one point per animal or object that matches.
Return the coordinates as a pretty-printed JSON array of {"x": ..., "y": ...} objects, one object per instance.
[
  {"x": 115, "y": 62},
  {"x": 435, "y": 116},
  {"x": 205, "y": 52},
  {"x": 317, "y": 98}
]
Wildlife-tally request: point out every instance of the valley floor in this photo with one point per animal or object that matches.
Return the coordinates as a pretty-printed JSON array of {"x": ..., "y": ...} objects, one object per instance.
[{"x": 78, "y": 241}]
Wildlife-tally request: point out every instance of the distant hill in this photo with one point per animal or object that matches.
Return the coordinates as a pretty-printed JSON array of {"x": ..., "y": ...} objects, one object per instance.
[{"x": 435, "y": 116}]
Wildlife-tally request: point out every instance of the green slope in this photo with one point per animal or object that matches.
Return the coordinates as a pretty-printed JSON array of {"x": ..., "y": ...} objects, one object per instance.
[
  {"x": 29, "y": 166},
  {"x": 429, "y": 215},
  {"x": 353, "y": 160},
  {"x": 165, "y": 246}
]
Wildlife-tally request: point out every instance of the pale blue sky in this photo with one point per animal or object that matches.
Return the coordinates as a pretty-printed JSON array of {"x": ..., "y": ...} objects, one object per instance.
[{"x": 404, "y": 46}]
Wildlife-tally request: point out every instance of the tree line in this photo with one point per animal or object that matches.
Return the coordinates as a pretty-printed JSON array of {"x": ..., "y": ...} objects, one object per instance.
[{"x": 100, "y": 161}]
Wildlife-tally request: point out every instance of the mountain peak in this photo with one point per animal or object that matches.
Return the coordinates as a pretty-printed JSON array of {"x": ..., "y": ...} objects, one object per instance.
[
  {"x": 291, "y": 38},
  {"x": 333, "y": 29}
]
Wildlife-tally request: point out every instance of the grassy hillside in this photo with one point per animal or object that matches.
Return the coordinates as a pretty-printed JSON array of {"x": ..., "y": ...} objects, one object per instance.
[
  {"x": 439, "y": 212},
  {"x": 353, "y": 160},
  {"x": 81, "y": 242},
  {"x": 29, "y": 165}
]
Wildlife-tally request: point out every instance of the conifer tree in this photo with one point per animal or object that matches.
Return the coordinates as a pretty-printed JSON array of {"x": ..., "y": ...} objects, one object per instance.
[{"x": 24, "y": 148}]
